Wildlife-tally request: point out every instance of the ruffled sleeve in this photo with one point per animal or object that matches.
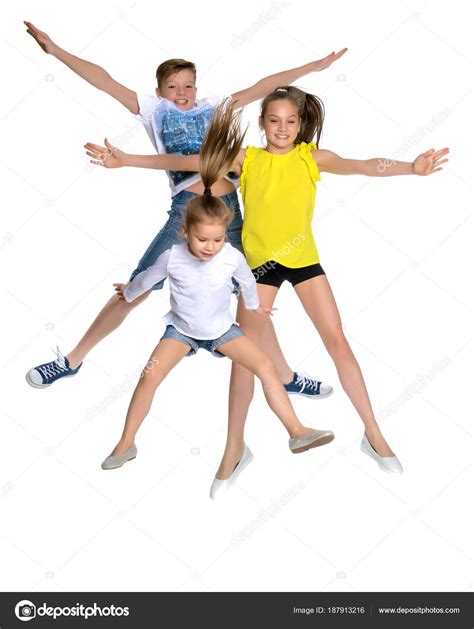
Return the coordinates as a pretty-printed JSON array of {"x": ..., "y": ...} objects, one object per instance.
[
  {"x": 305, "y": 154},
  {"x": 250, "y": 154}
]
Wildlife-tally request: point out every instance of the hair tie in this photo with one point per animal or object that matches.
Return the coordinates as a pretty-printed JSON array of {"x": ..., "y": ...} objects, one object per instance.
[{"x": 207, "y": 192}]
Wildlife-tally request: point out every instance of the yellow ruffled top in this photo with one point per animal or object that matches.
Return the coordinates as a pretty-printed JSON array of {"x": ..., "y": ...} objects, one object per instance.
[{"x": 279, "y": 191}]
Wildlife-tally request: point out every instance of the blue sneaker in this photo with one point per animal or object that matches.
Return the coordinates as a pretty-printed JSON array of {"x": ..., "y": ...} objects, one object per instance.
[
  {"x": 302, "y": 384},
  {"x": 44, "y": 375}
]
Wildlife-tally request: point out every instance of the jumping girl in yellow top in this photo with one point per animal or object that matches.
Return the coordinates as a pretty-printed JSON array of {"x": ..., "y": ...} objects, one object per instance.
[{"x": 278, "y": 185}]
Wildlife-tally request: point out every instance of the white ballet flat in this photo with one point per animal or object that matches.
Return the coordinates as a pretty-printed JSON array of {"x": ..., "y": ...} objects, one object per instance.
[
  {"x": 389, "y": 464},
  {"x": 220, "y": 487}
]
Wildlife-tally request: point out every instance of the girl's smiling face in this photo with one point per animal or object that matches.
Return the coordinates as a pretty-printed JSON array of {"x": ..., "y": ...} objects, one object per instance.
[{"x": 281, "y": 125}]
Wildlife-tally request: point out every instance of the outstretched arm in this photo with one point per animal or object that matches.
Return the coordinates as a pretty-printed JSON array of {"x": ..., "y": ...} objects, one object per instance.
[
  {"x": 270, "y": 83},
  {"x": 112, "y": 157},
  {"x": 425, "y": 164},
  {"x": 90, "y": 72},
  {"x": 142, "y": 282}
]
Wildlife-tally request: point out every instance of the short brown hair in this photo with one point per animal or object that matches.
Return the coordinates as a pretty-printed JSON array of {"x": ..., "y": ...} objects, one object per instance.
[{"x": 171, "y": 66}]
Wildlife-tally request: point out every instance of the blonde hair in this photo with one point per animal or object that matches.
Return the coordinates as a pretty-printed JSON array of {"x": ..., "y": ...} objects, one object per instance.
[
  {"x": 310, "y": 111},
  {"x": 219, "y": 149}
]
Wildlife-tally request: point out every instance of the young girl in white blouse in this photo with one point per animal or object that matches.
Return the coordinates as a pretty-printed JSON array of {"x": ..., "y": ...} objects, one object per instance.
[{"x": 200, "y": 272}]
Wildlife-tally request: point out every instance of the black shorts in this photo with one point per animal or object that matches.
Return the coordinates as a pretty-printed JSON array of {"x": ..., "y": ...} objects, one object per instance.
[{"x": 274, "y": 274}]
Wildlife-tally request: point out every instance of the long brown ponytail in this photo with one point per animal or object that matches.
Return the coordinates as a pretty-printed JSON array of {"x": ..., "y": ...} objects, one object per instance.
[
  {"x": 219, "y": 149},
  {"x": 310, "y": 110}
]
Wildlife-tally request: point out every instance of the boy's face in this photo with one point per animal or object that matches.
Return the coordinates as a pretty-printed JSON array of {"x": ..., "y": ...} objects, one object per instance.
[{"x": 180, "y": 89}]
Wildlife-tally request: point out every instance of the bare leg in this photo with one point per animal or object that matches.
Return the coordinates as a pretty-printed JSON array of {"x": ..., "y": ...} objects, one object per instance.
[
  {"x": 319, "y": 303},
  {"x": 270, "y": 345},
  {"x": 164, "y": 357},
  {"x": 241, "y": 386},
  {"x": 246, "y": 354},
  {"x": 109, "y": 318}
]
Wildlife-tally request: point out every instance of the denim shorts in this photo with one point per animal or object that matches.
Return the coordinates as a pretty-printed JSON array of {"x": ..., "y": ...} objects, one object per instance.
[
  {"x": 171, "y": 232},
  {"x": 210, "y": 344}
]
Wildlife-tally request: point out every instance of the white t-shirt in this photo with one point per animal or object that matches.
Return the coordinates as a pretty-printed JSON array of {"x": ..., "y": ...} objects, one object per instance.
[
  {"x": 200, "y": 289},
  {"x": 174, "y": 131}
]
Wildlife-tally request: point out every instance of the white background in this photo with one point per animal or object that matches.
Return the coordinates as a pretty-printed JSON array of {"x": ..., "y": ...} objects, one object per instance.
[{"x": 397, "y": 254}]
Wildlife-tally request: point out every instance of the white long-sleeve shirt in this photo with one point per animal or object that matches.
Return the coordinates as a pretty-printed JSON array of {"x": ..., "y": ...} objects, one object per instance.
[{"x": 200, "y": 289}]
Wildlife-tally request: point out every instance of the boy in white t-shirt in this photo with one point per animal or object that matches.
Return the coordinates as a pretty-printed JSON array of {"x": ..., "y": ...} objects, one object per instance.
[{"x": 176, "y": 123}]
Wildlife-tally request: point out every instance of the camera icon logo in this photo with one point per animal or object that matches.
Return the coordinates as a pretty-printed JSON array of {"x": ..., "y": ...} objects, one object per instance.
[{"x": 25, "y": 610}]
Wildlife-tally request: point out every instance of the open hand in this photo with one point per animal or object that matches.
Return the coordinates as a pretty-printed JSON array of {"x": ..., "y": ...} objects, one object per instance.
[
  {"x": 324, "y": 63},
  {"x": 108, "y": 156},
  {"x": 429, "y": 162},
  {"x": 264, "y": 311},
  {"x": 119, "y": 288},
  {"x": 43, "y": 40}
]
